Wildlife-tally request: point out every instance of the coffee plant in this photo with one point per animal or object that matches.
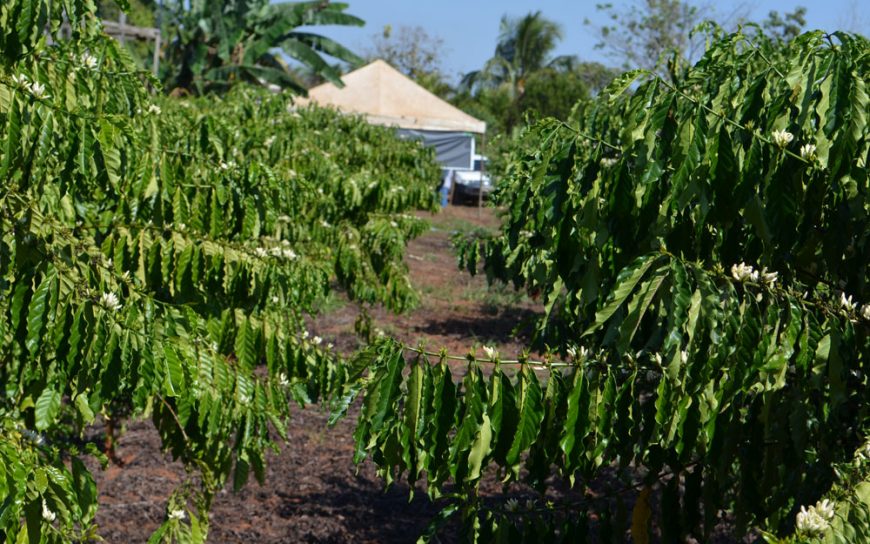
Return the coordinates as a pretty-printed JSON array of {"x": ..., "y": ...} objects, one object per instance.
[
  {"x": 702, "y": 250},
  {"x": 157, "y": 258}
]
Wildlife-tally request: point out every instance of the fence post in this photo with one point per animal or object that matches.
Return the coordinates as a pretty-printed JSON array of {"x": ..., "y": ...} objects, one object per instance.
[
  {"x": 156, "y": 64},
  {"x": 122, "y": 26}
]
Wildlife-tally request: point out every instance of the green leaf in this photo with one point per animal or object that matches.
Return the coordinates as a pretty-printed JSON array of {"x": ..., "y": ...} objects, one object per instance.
[
  {"x": 479, "y": 449},
  {"x": 411, "y": 417},
  {"x": 84, "y": 409},
  {"x": 36, "y": 314},
  {"x": 531, "y": 415},
  {"x": 638, "y": 306},
  {"x": 47, "y": 408},
  {"x": 621, "y": 84},
  {"x": 627, "y": 280}
]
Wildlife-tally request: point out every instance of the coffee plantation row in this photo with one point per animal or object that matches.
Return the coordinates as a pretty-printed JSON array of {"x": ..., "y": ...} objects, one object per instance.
[
  {"x": 701, "y": 244},
  {"x": 703, "y": 248},
  {"x": 156, "y": 260}
]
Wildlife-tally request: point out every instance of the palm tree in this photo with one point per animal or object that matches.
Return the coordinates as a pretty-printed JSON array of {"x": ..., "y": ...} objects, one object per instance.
[
  {"x": 524, "y": 47},
  {"x": 220, "y": 42}
]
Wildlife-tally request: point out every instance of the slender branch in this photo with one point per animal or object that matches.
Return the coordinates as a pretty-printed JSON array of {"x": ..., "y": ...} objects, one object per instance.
[
  {"x": 590, "y": 138},
  {"x": 471, "y": 358},
  {"x": 761, "y": 54},
  {"x": 174, "y": 416}
]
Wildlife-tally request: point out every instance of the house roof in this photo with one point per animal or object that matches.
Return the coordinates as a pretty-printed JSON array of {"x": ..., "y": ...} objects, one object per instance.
[{"x": 385, "y": 96}]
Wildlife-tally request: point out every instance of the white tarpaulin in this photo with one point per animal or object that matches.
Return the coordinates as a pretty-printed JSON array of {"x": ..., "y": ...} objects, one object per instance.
[{"x": 385, "y": 96}]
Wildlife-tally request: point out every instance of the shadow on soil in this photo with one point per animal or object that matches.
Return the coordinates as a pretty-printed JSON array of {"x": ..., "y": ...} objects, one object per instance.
[
  {"x": 365, "y": 510},
  {"x": 498, "y": 326}
]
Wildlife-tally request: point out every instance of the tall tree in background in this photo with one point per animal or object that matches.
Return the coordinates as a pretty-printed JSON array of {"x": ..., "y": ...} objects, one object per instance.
[
  {"x": 219, "y": 43},
  {"x": 787, "y": 26},
  {"x": 650, "y": 31},
  {"x": 524, "y": 60},
  {"x": 658, "y": 35},
  {"x": 524, "y": 46},
  {"x": 552, "y": 93}
]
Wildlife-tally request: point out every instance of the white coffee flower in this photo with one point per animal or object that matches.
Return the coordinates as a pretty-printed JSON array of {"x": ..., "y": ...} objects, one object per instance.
[
  {"x": 325, "y": 223},
  {"x": 815, "y": 520},
  {"x": 304, "y": 335},
  {"x": 769, "y": 277},
  {"x": 490, "y": 352},
  {"x": 865, "y": 312},
  {"x": 36, "y": 438},
  {"x": 177, "y": 514},
  {"x": 810, "y": 523},
  {"x": 110, "y": 301},
  {"x": 261, "y": 252},
  {"x": 317, "y": 340},
  {"x": 275, "y": 300},
  {"x": 155, "y": 109},
  {"x": 89, "y": 61},
  {"x": 282, "y": 380},
  {"x": 288, "y": 254},
  {"x": 578, "y": 354},
  {"x": 21, "y": 80},
  {"x": 782, "y": 137},
  {"x": 394, "y": 224},
  {"x": 607, "y": 162},
  {"x": 808, "y": 152},
  {"x": 269, "y": 141},
  {"x": 223, "y": 165},
  {"x": 825, "y": 509},
  {"x": 330, "y": 345},
  {"x": 47, "y": 514},
  {"x": 275, "y": 251},
  {"x": 743, "y": 272},
  {"x": 512, "y": 505},
  {"x": 38, "y": 90},
  {"x": 847, "y": 303}
]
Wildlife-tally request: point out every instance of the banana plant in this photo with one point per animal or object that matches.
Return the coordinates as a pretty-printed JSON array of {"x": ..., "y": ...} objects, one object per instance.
[{"x": 218, "y": 44}]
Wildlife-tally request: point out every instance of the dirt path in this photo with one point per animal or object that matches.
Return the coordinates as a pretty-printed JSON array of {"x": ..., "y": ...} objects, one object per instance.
[
  {"x": 313, "y": 493},
  {"x": 456, "y": 310}
]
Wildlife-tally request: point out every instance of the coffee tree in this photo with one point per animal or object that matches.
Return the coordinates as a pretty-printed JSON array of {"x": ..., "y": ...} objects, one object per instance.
[
  {"x": 157, "y": 259},
  {"x": 702, "y": 247}
]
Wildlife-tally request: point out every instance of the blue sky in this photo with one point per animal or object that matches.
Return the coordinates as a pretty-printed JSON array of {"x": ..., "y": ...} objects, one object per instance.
[{"x": 469, "y": 28}]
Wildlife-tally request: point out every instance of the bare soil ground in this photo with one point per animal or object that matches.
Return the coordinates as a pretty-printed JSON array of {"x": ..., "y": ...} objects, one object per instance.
[{"x": 312, "y": 491}]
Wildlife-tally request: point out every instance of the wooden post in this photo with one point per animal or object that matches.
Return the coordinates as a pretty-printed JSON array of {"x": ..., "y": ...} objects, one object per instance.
[
  {"x": 122, "y": 25},
  {"x": 155, "y": 65},
  {"x": 482, "y": 173}
]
